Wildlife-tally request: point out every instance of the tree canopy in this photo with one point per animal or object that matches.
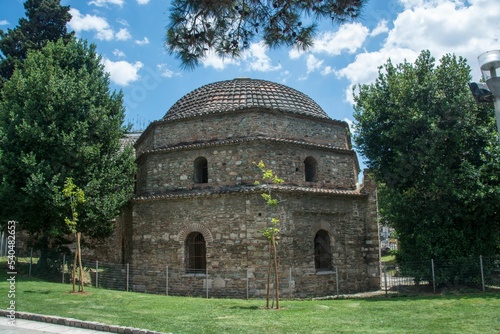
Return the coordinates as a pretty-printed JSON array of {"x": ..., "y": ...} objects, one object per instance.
[
  {"x": 228, "y": 27},
  {"x": 435, "y": 153},
  {"x": 45, "y": 21},
  {"x": 59, "y": 120}
]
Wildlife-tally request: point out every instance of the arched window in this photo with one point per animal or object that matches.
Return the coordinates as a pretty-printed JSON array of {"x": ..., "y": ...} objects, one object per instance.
[
  {"x": 196, "y": 253},
  {"x": 310, "y": 168},
  {"x": 322, "y": 251},
  {"x": 201, "y": 170}
]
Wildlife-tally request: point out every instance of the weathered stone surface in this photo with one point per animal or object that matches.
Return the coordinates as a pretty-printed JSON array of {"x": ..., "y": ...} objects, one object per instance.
[{"x": 228, "y": 210}]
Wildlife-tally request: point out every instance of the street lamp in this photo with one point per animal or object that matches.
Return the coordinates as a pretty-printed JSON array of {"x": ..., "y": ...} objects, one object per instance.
[{"x": 489, "y": 62}]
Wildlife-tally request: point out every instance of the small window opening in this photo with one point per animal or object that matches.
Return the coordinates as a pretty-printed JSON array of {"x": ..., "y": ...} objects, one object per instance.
[
  {"x": 201, "y": 170},
  {"x": 310, "y": 168},
  {"x": 322, "y": 251}
]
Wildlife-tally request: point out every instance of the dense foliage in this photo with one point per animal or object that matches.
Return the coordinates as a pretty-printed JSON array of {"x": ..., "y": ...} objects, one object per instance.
[
  {"x": 435, "y": 153},
  {"x": 58, "y": 119},
  {"x": 45, "y": 21},
  {"x": 227, "y": 27}
]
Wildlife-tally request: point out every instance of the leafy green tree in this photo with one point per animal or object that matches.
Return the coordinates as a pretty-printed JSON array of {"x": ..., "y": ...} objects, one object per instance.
[
  {"x": 228, "y": 27},
  {"x": 75, "y": 197},
  {"x": 45, "y": 21},
  {"x": 435, "y": 153},
  {"x": 271, "y": 232},
  {"x": 58, "y": 119}
]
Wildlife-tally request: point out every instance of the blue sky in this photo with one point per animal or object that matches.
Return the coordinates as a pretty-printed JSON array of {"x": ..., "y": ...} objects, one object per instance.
[{"x": 129, "y": 35}]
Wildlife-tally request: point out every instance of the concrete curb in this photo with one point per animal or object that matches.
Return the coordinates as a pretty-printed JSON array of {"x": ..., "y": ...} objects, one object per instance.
[{"x": 77, "y": 323}]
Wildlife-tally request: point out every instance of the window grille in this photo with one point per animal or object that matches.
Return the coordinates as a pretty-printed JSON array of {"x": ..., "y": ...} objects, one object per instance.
[{"x": 196, "y": 253}]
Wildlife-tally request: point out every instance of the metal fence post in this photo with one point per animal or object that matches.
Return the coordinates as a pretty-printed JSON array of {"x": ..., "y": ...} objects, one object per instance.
[
  {"x": 206, "y": 280},
  {"x": 1, "y": 244},
  {"x": 166, "y": 281},
  {"x": 63, "y": 263},
  {"x": 247, "y": 283},
  {"x": 337, "y": 279},
  {"x": 31, "y": 263},
  {"x": 96, "y": 273},
  {"x": 127, "y": 275},
  {"x": 385, "y": 278},
  {"x": 433, "y": 277},
  {"x": 482, "y": 271}
]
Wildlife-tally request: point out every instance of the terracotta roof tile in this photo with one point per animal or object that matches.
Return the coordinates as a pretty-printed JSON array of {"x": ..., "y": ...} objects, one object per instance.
[
  {"x": 244, "y": 140},
  {"x": 209, "y": 192},
  {"x": 240, "y": 94}
]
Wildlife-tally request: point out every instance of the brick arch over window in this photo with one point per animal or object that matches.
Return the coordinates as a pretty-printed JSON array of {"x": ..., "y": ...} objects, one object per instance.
[
  {"x": 310, "y": 169},
  {"x": 207, "y": 235},
  {"x": 323, "y": 225}
]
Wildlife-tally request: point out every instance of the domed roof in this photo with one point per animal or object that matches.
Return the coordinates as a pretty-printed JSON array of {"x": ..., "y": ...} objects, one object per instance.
[{"x": 239, "y": 94}]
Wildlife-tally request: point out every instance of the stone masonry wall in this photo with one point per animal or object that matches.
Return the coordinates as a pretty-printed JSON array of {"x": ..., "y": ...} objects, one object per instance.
[
  {"x": 232, "y": 164},
  {"x": 244, "y": 124},
  {"x": 230, "y": 224},
  {"x": 229, "y": 210}
]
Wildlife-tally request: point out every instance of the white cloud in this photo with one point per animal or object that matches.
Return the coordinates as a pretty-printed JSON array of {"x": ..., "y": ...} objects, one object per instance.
[
  {"x": 122, "y": 72},
  {"x": 144, "y": 41},
  {"x": 123, "y": 35},
  {"x": 4, "y": 22},
  {"x": 380, "y": 28},
  {"x": 313, "y": 63},
  {"x": 364, "y": 69},
  {"x": 442, "y": 26},
  {"x": 448, "y": 27},
  {"x": 257, "y": 58},
  {"x": 103, "y": 31},
  {"x": 348, "y": 38},
  {"x": 285, "y": 75},
  {"x": 123, "y": 22},
  {"x": 103, "y": 3},
  {"x": 295, "y": 53},
  {"x": 88, "y": 22},
  {"x": 142, "y": 2},
  {"x": 352, "y": 126},
  {"x": 165, "y": 71},
  {"x": 327, "y": 70},
  {"x": 118, "y": 53},
  {"x": 213, "y": 60}
]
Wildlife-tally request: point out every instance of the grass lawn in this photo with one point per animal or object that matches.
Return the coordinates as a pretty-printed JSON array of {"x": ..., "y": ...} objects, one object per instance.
[{"x": 466, "y": 313}]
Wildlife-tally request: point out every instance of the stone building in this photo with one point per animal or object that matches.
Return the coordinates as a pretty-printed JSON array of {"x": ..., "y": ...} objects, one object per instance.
[{"x": 197, "y": 210}]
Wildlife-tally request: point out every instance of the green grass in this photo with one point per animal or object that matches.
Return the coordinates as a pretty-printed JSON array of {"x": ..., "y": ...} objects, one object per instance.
[
  {"x": 469, "y": 313},
  {"x": 388, "y": 259}
]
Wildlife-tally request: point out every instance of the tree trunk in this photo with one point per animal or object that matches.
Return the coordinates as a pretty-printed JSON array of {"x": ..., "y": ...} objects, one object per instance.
[
  {"x": 268, "y": 275},
  {"x": 42, "y": 266},
  {"x": 80, "y": 261},
  {"x": 276, "y": 280}
]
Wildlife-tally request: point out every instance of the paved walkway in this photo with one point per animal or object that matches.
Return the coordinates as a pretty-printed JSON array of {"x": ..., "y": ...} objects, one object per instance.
[
  {"x": 27, "y": 323},
  {"x": 23, "y": 326}
]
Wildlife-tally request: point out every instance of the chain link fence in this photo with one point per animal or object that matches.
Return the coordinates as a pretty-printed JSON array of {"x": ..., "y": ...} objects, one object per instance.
[
  {"x": 173, "y": 281},
  {"x": 442, "y": 275},
  {"x": 433, "y": 276}
]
